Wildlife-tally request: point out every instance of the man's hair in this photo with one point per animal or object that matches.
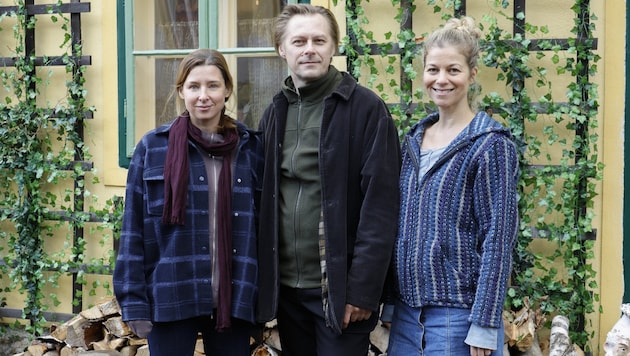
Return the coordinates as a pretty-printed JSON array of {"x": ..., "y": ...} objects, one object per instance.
[{"x": 291, "y": 10}]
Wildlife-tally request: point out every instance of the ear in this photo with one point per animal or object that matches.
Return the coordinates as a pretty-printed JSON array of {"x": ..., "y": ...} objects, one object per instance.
[
  {"x": 179, "y": 92},
  {"x": 281, "y": 52},
  {"x": 473, "y": 74}
]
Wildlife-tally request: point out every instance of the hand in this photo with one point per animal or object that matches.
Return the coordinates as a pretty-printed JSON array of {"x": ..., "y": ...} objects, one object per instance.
[
  {"x": 355, "y": 314},
  {"x": 141, "y": 328},
  {"x": 478, "y": 351}
]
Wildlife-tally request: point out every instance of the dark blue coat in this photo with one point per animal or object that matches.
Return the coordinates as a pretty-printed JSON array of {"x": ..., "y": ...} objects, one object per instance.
[{"x": 163, "y": 272}]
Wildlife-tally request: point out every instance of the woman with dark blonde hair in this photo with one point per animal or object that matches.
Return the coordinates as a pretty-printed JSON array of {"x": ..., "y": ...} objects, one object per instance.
[
  {"x": 187, "y": 262},
  {"x": 458, "y": 214}
]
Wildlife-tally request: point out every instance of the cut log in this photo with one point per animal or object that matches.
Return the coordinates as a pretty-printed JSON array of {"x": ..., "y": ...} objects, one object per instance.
[
  {"x": 68, "y": 351},
  {"x": 143, "y": 351},
  {"x": 37, "y": 350},
  {"x": 117, "y": 326},
  {"x": 520, "y": 329},
  {"x": 109, "y": 307},
  {"x": 559, "y": 342},
  {"x": 129, "y": 350},
  {"x": 93, "y": 313},
  {"x": 379, "y": 337},
  {"x": 82, "y": 332}
]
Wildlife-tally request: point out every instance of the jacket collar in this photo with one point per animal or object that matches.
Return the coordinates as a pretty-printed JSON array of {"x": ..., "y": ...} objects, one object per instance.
[
  {"x": 481, "y": 124},
  {"x": 243, "y": 131}
]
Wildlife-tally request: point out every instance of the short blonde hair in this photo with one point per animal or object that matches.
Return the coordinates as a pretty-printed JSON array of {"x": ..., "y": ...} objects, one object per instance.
[{"x": 291, "y": 10}]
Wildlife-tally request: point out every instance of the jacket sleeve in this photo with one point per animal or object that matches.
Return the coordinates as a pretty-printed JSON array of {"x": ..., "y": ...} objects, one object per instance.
[
  {"x": 496, "y": 210},
  {"x": 378, "y": 220},
  {"x": 129, "y": 277}
]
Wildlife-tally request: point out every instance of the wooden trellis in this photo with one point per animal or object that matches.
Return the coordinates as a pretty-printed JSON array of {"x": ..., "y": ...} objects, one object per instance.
[
  {"x": 518, "y": 29},
  {"x": 75, "y": 8}
]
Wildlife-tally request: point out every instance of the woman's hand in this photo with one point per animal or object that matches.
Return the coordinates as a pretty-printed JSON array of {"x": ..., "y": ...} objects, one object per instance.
[{"x": 478, "y": 351}]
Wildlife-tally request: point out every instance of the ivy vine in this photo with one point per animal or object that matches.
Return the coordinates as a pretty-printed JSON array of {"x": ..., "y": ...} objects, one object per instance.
[
  {"x": 44, "y": 175},
  {"x": 557, "y": 139}
]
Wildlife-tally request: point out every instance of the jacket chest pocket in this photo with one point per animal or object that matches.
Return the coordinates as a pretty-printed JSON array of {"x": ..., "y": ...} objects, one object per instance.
[{"x": 154, "y": 190}]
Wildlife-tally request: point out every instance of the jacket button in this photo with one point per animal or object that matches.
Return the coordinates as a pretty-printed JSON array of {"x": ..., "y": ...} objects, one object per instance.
[
  {"x": 202, "y": 178},
  {"x": 234, "y": 251},
  {"x": 235, "y": 214},
  {"x": 239, "y": 180}
]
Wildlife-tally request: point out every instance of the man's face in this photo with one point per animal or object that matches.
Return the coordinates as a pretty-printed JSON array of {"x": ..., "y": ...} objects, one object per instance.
[{"x": 307, "y": 47}]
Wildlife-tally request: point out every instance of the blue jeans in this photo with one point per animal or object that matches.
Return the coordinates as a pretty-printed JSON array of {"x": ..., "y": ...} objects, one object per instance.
[{"x": 431, "y": 331}]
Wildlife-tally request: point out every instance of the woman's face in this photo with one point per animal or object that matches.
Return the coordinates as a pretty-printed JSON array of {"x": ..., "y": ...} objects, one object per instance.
[
  {"x": 447, "y": 77},
  {"x": 204, "y": 94}
]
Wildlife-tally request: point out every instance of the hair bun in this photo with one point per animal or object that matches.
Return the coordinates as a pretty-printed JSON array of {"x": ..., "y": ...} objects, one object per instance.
[{"x": 465, "y": 24}]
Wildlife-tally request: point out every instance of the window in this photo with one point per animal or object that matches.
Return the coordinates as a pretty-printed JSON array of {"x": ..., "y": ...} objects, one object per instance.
[{"x": 155, "y": 34}]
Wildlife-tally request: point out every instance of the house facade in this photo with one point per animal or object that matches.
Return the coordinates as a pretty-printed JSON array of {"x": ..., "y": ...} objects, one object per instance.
[{"x": 135, "y": 47}]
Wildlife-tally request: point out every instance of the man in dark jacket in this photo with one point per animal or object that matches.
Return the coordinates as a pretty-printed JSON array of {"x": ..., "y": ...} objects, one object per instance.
[{"x": 330, "y": 195}]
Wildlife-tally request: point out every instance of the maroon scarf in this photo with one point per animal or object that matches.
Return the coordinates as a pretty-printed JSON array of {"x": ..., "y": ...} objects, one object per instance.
[{"x": 176, "y": 171}]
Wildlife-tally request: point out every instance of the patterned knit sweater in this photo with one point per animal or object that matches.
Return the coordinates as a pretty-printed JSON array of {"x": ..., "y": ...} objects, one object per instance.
[{"x": 458, "y": 223}]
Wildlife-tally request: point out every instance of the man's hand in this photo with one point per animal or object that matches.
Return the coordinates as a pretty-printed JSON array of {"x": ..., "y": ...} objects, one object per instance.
[{"x": 355, "y": 314}]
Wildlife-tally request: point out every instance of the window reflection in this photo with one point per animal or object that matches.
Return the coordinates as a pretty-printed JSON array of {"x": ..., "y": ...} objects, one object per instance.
[
  {"x": 175, "y": 24},
  {"x": 258, "y": 77},
  {"x": 177, "y": 27}
]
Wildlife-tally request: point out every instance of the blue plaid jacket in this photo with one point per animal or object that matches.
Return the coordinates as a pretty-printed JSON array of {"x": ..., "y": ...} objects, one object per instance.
[{"x": 163, "y": 272}]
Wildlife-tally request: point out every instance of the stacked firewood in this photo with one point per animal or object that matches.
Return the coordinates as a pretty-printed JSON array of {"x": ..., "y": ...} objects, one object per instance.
[
  {"x": 525, "y": 335},
  {"x": 98, "y": 328},
  {"x": 100, "y": 331}
]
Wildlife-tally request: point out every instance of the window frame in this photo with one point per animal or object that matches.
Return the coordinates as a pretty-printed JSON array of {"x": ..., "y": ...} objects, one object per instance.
[{"x": 209, "y": 15}]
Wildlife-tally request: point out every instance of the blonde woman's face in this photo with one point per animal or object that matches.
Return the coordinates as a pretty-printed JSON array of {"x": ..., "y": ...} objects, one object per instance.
[{"x": 447, "y": 77}]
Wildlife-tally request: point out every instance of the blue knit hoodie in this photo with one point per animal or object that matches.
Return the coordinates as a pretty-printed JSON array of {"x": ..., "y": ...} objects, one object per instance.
[{"x": 458, "y": 223}]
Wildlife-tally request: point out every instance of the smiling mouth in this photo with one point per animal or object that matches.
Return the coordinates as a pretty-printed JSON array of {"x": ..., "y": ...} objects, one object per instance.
[{"x": 442, "y": 91}]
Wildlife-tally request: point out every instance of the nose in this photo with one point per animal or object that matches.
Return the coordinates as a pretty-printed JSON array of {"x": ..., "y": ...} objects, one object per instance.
[
  {"x": 203, "y": 94},
  {"x": 309, "y": 46},
  {"x": 441, "y": 76}
]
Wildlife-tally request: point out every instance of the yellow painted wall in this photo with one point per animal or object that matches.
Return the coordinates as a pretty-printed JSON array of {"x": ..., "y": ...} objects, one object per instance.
[
  {"x": 612, "y": 22},
  {"x": 101, "y": 132},
  {"x": 610, "y": 30},
  {"x": 99, "y": 34}
]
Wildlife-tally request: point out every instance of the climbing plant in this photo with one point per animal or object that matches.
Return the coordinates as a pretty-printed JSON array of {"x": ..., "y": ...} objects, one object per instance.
[
  {"x": 43, "y": 172},
  {"x": 555, "y": 129}
]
